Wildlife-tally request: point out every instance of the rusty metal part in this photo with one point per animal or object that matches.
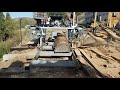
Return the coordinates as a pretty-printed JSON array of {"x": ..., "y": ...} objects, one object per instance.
[{"x": 61, "y": 44}]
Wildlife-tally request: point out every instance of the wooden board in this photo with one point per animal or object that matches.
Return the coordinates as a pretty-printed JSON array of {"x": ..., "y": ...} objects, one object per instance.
[
  {"x": 91, "y": 63},
  {"x": 77, "y": 52},
  {"x": 98, "y": 39},
  {"x": 85, "y": 64},
  {"x": 95, "y": 50},
  {"x": 112, "y": 34}
]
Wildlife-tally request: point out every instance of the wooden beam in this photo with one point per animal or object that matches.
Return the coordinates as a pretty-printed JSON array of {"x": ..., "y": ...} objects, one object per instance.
[{"x": 95, "y": 20}]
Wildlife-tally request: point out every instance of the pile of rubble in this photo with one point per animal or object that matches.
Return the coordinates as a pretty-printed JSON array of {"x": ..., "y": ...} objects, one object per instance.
[{"x": 106, "y": 55}]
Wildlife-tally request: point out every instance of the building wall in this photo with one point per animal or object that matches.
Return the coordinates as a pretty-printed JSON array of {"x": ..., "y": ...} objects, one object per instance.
[
  {"x": 89, "y": 16},
  {"x": 105, "y": 16},
  {"x": 114, "y": 19}
]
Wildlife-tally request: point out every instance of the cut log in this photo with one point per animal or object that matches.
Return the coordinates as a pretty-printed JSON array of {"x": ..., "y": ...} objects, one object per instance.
[{"x": 61, "y": 44}]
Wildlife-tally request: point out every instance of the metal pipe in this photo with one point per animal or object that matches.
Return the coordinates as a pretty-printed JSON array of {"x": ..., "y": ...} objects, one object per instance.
[{"x": 41, "y": 41}]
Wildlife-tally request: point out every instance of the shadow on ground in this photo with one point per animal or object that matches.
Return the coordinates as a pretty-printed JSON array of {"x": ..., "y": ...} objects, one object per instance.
[{"x": 17, "y": 70}]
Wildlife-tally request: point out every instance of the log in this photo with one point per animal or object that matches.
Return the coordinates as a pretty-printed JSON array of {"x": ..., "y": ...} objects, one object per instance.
[
  {"x": 61, "y": 44},
  {"x": 112, "y": 34},
  {"x": 98, "y": 39},
  {"x": 20, "y": 48}
]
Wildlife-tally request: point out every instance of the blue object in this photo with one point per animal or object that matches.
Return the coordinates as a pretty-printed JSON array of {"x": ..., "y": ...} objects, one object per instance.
[{"x": 69, "y": 31}]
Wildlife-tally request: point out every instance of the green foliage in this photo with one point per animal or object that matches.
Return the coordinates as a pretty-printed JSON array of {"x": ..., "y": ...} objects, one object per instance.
[
  {"x": 78, "y": 13},
  {"x": 24, "y": 22},
  {"x": 7, "y": 26},
  {"x": 50, "y": 13},
  {"x": 9, "y": 34},
  {"x": 27, "y": 21},
  {"x": 2, "y": 19},
  {"x": 4, "y": 48},
  {"x": 6, "y": 45},
  {"x": 8, "y": 17}
]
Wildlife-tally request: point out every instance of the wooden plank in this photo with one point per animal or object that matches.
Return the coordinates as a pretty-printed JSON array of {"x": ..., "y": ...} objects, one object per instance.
[
  {"x": 79, "y": 56},
  {"x": 98, "y": 39},
  {"x": 117, "y": 32},
  {"x": 77, "y": 52},
  {"x": 90, "y": 62},
  {"x": 20, "y": 48},
  {"x": 85, "y": 64},
  {"x": 95, "y": 50},
  {"x": 116, "y": 56},
  {"x": 83, "y": 52},
  {"x": 112, "y": 34}
]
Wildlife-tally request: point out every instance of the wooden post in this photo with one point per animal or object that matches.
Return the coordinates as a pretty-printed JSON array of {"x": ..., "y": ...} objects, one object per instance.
[
  {"x": 20, "y": 30},
  {"x": 95, "y": 20},
  {"x": 109, "y": 19},
  {"x": 73, "y": 18}
]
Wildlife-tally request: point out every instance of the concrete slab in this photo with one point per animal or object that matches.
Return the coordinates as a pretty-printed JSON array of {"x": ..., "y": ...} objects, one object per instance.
[
  {"x": 53, "y": 63},
  {"x": 52, "y": 53}
]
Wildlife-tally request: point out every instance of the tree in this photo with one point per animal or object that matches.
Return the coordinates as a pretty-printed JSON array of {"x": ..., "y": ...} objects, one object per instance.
[
  {"x": 50, "y": 13},
  {"x": 2, "y": 19},
  {"x": 8, "y": 17},
  {"x": 9, "y": 26}
]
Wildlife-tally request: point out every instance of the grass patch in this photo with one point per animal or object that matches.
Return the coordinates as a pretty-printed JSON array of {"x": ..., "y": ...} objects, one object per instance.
[{"x": 13, "y": 41}]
